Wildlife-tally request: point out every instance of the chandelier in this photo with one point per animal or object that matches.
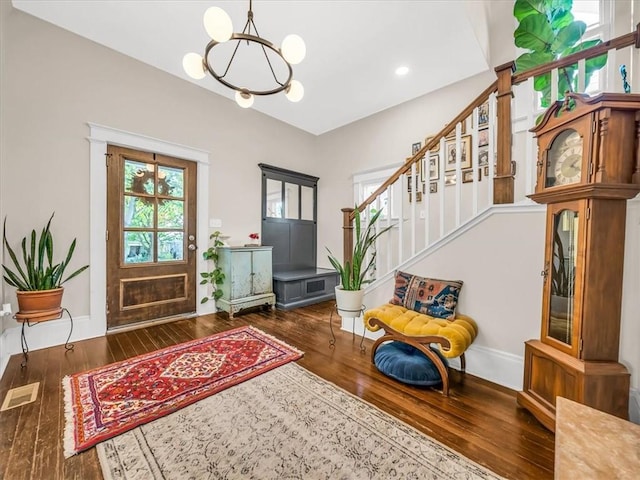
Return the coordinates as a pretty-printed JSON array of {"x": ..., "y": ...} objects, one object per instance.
[{"x": 218, "y": 25}]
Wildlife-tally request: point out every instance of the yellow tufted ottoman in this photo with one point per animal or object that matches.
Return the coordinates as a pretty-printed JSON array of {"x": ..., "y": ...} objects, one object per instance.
[{"x": 419, "y": 330}]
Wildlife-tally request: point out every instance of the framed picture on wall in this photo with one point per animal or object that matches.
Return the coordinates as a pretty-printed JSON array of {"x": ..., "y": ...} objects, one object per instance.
[
  {"x": 434, "y": 166},
  {"x": 465, "y": 156},
  {"x": 450, "y": 179},
  {"x": 483, "y": 156},
  {"x": 415, "y": 148},
  {"x": 433, "y": 187},
  {"x": 467, "y": 175},
  {"x": 483, "y": 115},
  {"x": 483, "y": 137}
]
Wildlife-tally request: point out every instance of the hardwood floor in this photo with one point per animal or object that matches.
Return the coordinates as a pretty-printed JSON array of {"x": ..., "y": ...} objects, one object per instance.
[{"x": 478, "y": 419}]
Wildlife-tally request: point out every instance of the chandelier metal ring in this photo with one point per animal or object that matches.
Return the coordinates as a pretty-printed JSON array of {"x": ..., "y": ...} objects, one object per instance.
[{"x": 249, "y": 38}]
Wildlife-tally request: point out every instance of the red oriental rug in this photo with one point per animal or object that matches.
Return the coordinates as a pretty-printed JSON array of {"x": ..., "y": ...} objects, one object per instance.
[{"x": 107, "y": 401}]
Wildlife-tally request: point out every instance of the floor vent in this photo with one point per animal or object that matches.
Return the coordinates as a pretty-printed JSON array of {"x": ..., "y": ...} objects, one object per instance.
[{"x": 16, "y": 397}]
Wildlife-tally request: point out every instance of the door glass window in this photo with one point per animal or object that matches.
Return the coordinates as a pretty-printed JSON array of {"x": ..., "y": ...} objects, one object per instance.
[
  {"x": 274, "y": 198},
  {"x": 153, "y": 213},
  {"x": 170, "y": 182},
  {"x": 170, "y": 246},
  {"x": 138, "y": 212},
  {"x": 291, "y": 200},
  {"x": 138, "y": 247},
  {"x": 307, "y": 203}
]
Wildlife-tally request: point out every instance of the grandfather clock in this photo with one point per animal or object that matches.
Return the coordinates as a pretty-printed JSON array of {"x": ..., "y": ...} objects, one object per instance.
[{"x": 588, "y": 167}]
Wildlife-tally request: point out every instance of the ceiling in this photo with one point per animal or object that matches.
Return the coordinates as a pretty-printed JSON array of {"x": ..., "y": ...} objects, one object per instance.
[{"x": 353, "y": 47}]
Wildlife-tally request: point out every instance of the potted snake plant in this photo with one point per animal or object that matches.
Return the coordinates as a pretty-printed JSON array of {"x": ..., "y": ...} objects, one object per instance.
[
  {"x": 353, "y": 274},
  {"x": 35, "y": 275}
]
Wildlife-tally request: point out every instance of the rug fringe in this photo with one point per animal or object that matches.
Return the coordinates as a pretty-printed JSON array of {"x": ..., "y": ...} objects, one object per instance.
[
  {"x": 277, "y": 340},
  {"x": 68, "y": 441}
]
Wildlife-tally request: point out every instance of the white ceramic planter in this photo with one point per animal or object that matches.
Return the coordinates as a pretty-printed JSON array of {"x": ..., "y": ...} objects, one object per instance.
[{"x": 349, "y": 302}]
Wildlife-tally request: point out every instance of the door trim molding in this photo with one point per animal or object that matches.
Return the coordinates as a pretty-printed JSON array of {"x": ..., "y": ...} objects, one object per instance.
[{"x": 99, "y": 137}]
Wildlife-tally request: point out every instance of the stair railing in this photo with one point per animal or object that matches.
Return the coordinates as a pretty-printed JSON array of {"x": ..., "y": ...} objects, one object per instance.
[{"x": 402, "y": 214}]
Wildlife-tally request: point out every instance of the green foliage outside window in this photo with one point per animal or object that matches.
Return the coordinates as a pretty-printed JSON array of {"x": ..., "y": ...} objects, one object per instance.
[{"x": 548, "y": 30}]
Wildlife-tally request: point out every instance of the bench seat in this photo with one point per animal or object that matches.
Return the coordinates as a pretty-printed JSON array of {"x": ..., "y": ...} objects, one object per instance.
[{"x": 452, "y": 337}]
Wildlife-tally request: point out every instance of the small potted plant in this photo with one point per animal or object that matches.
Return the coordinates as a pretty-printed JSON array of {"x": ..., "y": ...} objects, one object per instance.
[
  {"x": 37, "y": 277},
  {"x": 353, "y": 274},
  {"x": 215, "y": 277}
]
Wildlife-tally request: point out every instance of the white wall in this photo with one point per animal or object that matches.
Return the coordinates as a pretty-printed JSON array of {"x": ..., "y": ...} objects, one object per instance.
[{"x": 54, "y": 82}]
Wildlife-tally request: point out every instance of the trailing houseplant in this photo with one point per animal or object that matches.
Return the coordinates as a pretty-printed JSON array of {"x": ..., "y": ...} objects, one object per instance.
[
  {"x": 215, "y": 277},
  {"x": 548, "y": 30},
  {"x": 37, "y": 272},
  {"x": 353, "y": 274}
]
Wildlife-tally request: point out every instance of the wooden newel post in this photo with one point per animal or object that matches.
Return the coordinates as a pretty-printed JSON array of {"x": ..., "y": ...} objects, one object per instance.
[
  {"x": 503, "y": 180},
  {"x": 347, "y": 231}
]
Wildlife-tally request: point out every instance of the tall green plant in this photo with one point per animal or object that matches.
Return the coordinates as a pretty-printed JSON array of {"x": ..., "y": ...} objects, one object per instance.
[
  {"x": 353, "y": 274},
  {"x": 37, "y": 270},
  {"x": 547, "y": 28},
  {"x": 215, "y": 277}
]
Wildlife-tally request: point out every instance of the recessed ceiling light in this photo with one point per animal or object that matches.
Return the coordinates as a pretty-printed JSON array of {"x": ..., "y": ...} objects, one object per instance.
[{"x": 400, "y": 71}]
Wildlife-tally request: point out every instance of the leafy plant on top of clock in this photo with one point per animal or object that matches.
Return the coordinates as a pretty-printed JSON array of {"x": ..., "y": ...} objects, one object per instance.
[
  {"x": 548, "y": 30},
  {"x": 215, "y": 277}
]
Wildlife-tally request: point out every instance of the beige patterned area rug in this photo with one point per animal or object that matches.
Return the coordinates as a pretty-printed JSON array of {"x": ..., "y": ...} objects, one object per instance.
[{"x": 284, "y": 424}]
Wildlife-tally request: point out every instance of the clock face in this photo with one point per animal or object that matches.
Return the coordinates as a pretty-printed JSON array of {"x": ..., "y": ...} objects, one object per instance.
[{"x": 564, "y": 160}]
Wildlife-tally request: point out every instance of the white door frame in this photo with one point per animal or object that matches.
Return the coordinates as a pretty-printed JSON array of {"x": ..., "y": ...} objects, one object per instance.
[{"x": 98, "y": 138}]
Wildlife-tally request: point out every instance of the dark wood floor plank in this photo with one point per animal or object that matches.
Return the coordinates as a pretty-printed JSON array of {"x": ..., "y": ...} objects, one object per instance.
[{"x": 479, "y": 419}]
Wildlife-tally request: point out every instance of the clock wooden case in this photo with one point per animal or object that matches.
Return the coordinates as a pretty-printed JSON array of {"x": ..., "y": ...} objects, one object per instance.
[{"x": 588, "y": 166}]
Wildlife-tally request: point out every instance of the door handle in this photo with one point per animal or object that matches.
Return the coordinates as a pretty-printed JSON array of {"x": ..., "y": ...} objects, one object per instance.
[{"x": 192, "y": 247}]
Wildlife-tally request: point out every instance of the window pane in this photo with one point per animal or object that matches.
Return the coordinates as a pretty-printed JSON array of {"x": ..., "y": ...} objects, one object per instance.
[
  {"x": 171, "y": 214},
  {"x": 171, "y": 181},
  {"x": 307, "y": 203},
  {"x": 138, "y": 177},
  {"x": 291, "y": 200},
  {"x": 586, "y": 10},
  {"x": 138, "y": 212},
  {"x": 274, "y": 198},
  {"x": 170, "y": 246},
  {"x": 138, "y": 247}
]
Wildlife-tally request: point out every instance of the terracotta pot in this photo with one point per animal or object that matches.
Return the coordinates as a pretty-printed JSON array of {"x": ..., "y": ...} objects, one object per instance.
[
  {"x": 39, "y": 305},
  {"x": 349, "y": 302}
]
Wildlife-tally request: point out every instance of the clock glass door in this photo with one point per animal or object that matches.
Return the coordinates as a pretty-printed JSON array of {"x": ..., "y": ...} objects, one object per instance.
[{"x": 562, "y": 275}]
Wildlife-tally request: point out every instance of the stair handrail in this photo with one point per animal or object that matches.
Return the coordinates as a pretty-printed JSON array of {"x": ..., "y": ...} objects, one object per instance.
[{"x": 507, "y": 78}]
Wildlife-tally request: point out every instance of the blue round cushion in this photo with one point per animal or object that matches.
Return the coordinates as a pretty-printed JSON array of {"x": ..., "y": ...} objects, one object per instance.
[{"x": 407, "y": 364}]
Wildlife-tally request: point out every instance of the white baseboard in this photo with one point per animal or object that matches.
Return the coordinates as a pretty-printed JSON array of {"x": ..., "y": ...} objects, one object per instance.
[{"x": 46, "y": 334}]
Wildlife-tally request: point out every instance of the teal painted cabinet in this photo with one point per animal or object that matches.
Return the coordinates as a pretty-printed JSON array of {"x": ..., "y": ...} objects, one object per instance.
[{"x": 248, "y": 278}]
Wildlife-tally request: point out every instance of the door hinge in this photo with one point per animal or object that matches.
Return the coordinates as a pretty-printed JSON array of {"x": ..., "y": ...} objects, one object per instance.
[
  {"x": 106, "y": 306},
  {"x": 107, "y": 157},
  {"x": 588, "y": 213},
  {"x": 581, "y": 345},
  {"x": 594, "y": 125},
  {"x": 106, "y": 236},
  {"x": 590, "y": 168}
]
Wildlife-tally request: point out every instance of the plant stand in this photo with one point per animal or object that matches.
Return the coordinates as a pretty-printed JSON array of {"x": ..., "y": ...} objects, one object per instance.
[
  {"x": 30, "y": 322},
  {"x": 357, "y": 314}
]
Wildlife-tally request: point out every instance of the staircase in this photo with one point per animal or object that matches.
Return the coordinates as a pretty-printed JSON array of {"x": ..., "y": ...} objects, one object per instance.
[
  {"x": 479, "y": 225},
  {"x": 436, "y": 192}
]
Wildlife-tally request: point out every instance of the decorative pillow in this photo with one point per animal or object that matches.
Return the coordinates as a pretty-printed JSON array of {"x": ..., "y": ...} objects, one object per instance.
[
  {"x": 431, "y": 296},
  {"x": 408, "y": 364}
]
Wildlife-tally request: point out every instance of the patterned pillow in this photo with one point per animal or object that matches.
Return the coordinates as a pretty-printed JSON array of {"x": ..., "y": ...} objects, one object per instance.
[{"x": 437, "y": 298}]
